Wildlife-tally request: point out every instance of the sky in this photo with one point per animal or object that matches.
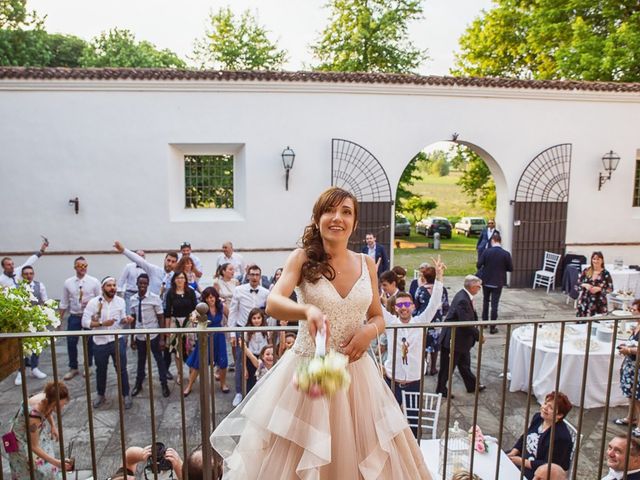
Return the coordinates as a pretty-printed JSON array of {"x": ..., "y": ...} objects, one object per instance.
[{"x": 294, "y": 24}]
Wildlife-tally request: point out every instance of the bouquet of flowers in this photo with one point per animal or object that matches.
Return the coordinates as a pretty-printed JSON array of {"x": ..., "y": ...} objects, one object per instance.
[
  {"x": 324, "y": 374},
  {"x": 20, "y": 313},
  {"x": 480, "y": 444}
]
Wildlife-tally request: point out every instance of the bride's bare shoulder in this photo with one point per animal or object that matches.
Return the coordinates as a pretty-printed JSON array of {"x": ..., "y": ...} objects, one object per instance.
[{"x": 297, "y": 258}]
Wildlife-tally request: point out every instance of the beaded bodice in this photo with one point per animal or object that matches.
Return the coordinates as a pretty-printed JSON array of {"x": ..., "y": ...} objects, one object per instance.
[{"x": 345, "y": 315}]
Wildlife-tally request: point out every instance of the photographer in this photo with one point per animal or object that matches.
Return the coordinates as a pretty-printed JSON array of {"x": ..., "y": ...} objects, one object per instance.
[{"x": 169, "y": 463}]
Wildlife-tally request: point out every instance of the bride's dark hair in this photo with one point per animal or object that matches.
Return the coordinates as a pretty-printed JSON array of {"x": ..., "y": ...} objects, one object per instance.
[{"x": 317, "y": 264}]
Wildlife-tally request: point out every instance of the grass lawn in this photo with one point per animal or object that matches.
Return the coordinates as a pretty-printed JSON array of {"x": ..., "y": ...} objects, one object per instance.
[{"x": 458, "y": 253}]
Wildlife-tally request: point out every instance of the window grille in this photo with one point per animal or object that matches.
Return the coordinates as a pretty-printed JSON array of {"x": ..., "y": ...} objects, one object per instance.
[{"x": 208, "y": 181}]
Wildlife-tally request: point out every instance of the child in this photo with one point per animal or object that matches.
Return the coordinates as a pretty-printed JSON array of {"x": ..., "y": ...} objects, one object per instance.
[
  {"x": 254, "y": 343},
  {"x": 263, "y": 363}
]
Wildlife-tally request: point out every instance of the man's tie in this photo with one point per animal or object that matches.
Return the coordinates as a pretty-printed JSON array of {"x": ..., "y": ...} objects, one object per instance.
[
  {"x": 253, "y": 290},
  {"x": 140, "y": 310}
]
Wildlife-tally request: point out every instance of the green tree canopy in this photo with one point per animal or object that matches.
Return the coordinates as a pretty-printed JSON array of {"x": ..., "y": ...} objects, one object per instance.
[
  {"x": 369, "y": 36},
  {"x": 232, "y": 43},
  {"x": 119, "y": 48},
  {"x": 476, "y": 180},
  {"x": 554, "y": 39},
  {"x": 14, "y": 15},
  {"x": 418, "y": 208}
]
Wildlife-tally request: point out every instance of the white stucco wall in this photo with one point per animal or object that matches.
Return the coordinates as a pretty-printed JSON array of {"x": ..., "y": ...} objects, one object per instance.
[{"x": 117, "y": 145}]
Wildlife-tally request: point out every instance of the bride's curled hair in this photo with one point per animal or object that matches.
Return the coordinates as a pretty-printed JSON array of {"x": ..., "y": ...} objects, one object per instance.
[{"x": 317, "y": 264}]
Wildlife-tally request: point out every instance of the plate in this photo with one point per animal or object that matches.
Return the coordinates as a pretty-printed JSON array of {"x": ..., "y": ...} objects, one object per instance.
[
  {"x": 550, "y": 344},
  {"x": 621, "y": 313},
  {"x": 582, "y": 345}
]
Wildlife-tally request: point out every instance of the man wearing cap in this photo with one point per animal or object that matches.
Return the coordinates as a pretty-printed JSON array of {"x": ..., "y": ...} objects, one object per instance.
[
  {"x": 229, "y": 256},
  {"x": 76, "y": 293},
  {"x": 185, "y": 251},
  {"x": 103, "y": 313},
  {"x": 9, "y": 278}
]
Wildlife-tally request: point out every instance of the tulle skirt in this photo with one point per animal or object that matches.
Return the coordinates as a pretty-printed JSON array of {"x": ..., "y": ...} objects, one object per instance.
[{"x": 278, "y": 432}]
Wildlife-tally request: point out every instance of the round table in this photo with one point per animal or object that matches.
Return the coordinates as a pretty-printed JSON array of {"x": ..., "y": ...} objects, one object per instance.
[{"x": 546, "y": 362}]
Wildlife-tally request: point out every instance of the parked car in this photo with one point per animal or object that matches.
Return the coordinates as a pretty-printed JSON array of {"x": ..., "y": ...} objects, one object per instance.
[
  {"x": 471, "y": 226},
  {"x": 431, "y": 225},
  {"x": 403, "y": 226}
]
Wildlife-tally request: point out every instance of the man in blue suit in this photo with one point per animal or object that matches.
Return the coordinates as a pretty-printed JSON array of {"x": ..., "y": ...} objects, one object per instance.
[
  {"x": 484, "y": 240},
  {"x": 376, "y": 252},
  {"x": 493, "y": 265}
]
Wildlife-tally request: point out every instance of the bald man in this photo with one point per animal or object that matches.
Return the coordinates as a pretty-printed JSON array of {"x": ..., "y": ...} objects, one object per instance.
[{"x": 557, "y": 473}]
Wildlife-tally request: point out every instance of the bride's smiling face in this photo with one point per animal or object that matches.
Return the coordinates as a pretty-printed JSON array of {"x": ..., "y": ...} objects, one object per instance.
[{"x": 337, "y": 222}]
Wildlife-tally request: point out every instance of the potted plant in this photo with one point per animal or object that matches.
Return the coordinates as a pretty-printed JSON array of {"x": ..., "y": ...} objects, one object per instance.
[{"x": 20, "y": 313}]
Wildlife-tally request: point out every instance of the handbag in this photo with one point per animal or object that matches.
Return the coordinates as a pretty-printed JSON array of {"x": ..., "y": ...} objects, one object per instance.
[{"x": 10, "y": 442}]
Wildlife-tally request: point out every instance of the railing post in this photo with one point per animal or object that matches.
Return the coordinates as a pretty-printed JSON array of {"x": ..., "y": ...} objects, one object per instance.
[{"x": 205, "y": 412}]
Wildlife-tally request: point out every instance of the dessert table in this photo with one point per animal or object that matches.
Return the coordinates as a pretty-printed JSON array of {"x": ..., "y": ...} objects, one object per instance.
[{"x": 573, "y": 354}]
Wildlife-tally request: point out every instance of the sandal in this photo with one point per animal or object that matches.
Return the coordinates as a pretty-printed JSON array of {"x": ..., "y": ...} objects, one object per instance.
[
  {"x": 623, "y": 422},
  {"x": 225, "y": 389},
  {"x": 636, "y": 432},
  {"x": 186, "y": 392}
]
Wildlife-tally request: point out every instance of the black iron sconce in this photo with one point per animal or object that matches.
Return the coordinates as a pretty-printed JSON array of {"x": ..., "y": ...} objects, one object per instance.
[
  {"x": 288, "y": 157},
  {"x": 610, "y": 161},
  {"x": 76, "y": 204}
]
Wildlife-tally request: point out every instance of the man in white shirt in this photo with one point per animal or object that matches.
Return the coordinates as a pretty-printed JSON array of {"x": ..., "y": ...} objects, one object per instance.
[
  {"x": 229, "y": 256},
  {"x": 159, "y": 278},
  {"x": 76, "y": 293},
  {"x": 617, "y": 457},
  {"x": 146, "y": 311},
  {"x": 127, "y": 281},
  {"x": 103, "y": 313},
  {"x": 9, "y": 278},
  {"x": 245, "y": 298},
  {"x": 185, "y": 251},
  {"x": 39, "y": 292},
  {"x": 409, "y": 368}
]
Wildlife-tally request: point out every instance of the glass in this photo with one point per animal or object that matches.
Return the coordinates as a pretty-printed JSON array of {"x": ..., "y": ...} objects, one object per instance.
[{"x": 403, "y": 304}]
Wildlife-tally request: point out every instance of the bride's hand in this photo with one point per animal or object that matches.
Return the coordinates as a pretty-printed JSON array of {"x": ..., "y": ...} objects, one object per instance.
[
  {"x": 316, "y": 320},
  {"x": 358, "y": 344}
]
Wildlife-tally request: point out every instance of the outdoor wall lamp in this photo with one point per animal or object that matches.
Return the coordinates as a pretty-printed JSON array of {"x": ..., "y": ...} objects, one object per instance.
[
  {"x": 610, "y": 161},
  {"x": 288, "y": 157},
  {"x": 76, "y": 204}
]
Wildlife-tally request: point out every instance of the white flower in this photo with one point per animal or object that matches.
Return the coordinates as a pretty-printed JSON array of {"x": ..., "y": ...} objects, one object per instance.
[
  {"x": 32, "y": 328},
  {"x": 52, "y": 316},
  {"x": 336, "y": 361},
  {"x": 315, "y": 366}
]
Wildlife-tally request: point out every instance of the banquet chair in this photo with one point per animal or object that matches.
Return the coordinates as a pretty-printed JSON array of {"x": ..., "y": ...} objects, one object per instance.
[
  {"x": 574, "y": 437},
  {"x": 416, "y": 274},
  {"x": 430, "y": 410},
  {"x": 547, "y": 276}
]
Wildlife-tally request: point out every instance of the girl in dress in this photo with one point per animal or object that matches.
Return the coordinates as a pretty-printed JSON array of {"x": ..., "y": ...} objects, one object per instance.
[
  {"x": 359, "y": 432},
  {"x": 262, "y": 363},
  {"x": 255, "y": 342}
]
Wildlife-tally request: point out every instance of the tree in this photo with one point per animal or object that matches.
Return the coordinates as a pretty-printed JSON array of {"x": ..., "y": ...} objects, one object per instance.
[
  {"x": 438, "y": 163},
  {"x": 119, "y": 48},
  {"x": 418, "y": 207},
  {"x": 476, "y": 180},
  {"x": 14, "y": 15},
  {"x": 554, "y": 39},
  {"x": 369, "y": 36},
  {"x": 409, "y": 177},
  {"x": 237, "y": 44}
]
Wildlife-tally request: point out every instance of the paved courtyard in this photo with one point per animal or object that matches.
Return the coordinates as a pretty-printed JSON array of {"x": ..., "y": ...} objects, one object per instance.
[{"x": 516, "y": 303}]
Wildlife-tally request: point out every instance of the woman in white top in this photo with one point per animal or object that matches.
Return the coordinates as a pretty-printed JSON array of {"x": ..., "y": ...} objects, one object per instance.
[{"x": 225, "y": 283}]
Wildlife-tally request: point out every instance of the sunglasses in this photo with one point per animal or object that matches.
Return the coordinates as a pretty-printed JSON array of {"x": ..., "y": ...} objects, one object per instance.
[{"x": 404, "y": 304}]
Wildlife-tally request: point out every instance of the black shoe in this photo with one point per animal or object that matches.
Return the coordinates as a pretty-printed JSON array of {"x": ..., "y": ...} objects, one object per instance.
[
  {"x": 451, "y": 396},
  {"x": 136, "y": 390},
  {"x": 165, "y": 390},
  {"x": 482, "y": 387},
  {"x": 493, "y": 330},
  {"x": 169, "y": 375}
]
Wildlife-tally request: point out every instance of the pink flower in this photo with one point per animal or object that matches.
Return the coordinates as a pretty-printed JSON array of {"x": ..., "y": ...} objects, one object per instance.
[{"x": 315, "y": 391}]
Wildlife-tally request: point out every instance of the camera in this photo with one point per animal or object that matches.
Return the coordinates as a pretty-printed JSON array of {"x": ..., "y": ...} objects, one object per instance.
[{"x": 157, "y": 453}]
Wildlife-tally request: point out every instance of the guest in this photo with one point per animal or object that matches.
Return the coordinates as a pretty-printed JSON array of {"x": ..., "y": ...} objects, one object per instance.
[
  {"x": 594, "y": 283},
  {"x": 245, "y": 298},
  {"x": 493, "y": 265},
  {"x": 287, "y": 339},
  {"x": 9, "y": 278},
  {"x": 42, "y": 432},
  {"x": 103, "y": 313},
  {"x": 401, "y": 274},
  {"x": 261, "y": 363},
  {"x": 627, "y": 375},
  {"x": 376, "y": 252},
  {"x": 550, "y": 472},
  {"x": 422, "y": 297},
  {"x": 229, "y": 256},
  {"x": 127, "y": 286},
  {"x": 77, "y": 291},
  {"x": 418, "y": 282},
  {"x": 180, "y": 302},
  {"x": 255, "y": 342},
  {"x": 461, "y": 311},
  {"x": 187, "y": 265},
  {"x": 484, "y": 239},
  {"x": 146, "y": 312},
  {"x": 135, "y": 456},
  {"x": 389, "y": 287},
  {"x": 617, "y": 458},
  {"x": 275, "y": 278},
  {"x": 185, "y": 251},
  {"x": 216, "y": 310},
  {"x": 39, "y": 292},
  {"x": 159, "y": 278},
  {"x": 225, "y": 282},
  {"x": 537, "y": 442},
  {"x": 465, "y": 476}
]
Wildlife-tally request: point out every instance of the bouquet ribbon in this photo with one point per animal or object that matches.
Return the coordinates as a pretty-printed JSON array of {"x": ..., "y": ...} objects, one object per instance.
[{"x": 321, "y": 341}]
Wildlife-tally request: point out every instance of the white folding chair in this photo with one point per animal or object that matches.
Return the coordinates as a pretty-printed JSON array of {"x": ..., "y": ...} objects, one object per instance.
[
  {"x": 430, "y": 410},
  {"x": 547, "y": 276},
  {"x": 574, "y": 437}
]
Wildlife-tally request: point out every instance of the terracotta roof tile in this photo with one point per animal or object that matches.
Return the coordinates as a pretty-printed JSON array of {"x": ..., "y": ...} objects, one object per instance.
[{"x": 151, "y": 74}]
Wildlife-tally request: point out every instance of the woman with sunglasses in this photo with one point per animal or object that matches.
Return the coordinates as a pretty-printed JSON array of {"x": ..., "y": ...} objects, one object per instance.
[{"x": 595, "y": 284}]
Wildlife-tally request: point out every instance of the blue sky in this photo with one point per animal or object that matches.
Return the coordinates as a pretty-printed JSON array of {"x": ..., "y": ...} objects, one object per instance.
[{"x": 295, "y": 24}]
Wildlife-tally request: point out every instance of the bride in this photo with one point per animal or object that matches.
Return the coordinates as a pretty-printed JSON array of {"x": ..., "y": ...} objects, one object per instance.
[{"x": 358, "y": 433}]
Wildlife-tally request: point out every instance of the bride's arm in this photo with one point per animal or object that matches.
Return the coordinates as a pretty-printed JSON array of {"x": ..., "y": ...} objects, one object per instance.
[{"x": 281, "y": 307}]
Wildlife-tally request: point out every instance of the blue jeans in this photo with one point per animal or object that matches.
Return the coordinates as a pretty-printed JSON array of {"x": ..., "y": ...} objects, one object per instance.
[
  {"x": 102, "y": 354},
  {"x": 141, "y": 346},
  {"x": 32, "y": 361},
  {"x": 239, "y": 371},
  {"x": 74, "y": 324}
]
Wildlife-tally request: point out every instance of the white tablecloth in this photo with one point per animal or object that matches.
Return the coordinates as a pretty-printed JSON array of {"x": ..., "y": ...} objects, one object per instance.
[
  {"x": 546, "y": 362},
  {"x": 624, "y": 279},
  {"x": 484, "y": 464}
]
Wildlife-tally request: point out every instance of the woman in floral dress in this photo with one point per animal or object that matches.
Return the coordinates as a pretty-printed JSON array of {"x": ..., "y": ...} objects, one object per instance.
[
  {"x": 594, "y": 284},
  {"x": 627, "y": 374},
  {"x": 43, "y": 432}
]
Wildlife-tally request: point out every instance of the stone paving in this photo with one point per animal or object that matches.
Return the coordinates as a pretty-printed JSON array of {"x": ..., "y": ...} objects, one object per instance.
[{"x": 515, "y": 303}]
